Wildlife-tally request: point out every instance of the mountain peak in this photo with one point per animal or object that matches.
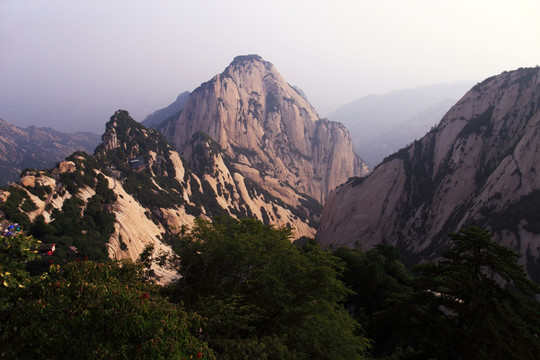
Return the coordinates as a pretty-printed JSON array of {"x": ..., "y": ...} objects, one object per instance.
[
  {"x": 241, "y": 59},
  {"x": 249, "y": 67},
  {"x": 256, "y": 116}
]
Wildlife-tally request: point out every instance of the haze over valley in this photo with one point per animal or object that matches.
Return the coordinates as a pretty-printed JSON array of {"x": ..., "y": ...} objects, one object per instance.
[
  {"x": 383, "y": 124},
  {"x": 89, "y": 59}
]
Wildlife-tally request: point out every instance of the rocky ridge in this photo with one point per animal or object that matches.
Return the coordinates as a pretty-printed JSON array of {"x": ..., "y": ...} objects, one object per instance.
[
  {"x": 478, "y": 166},
  {"x": 38, "y": 148},
  {"x": 270, "y": 129},
  {"x": 210, "y": 187},
  {"x": 138, "y": 187}
]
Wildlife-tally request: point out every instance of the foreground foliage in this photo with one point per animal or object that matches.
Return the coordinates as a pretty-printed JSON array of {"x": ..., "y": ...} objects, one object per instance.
[
  {"x": 264, "y": 298},
  {"x": 88, "y": 310},
  {"x": 474, "y": 304},
  {"x": 246, "y": 292}
]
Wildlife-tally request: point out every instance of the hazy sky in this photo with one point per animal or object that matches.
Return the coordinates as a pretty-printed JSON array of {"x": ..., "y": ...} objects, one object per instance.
[{"x": 70, "y": 64}]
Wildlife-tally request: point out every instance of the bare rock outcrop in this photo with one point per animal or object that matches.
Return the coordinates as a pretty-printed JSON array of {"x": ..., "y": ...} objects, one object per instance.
[
  {"x": 28, "y": 181},
  {"x": 66, "y": 166}
]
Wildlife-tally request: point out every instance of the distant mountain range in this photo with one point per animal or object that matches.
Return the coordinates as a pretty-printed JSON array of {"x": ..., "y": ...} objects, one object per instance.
[
  {"x": 382, "y": 124},
  {"x": 172, "y": 111},
  {"x": 37, "y": 148}
]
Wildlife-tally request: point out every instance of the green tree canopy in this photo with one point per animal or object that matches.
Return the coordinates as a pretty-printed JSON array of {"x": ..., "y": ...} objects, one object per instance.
[
  {"x": 374, "y": 276},
  {"x": 263, "y": 297}
]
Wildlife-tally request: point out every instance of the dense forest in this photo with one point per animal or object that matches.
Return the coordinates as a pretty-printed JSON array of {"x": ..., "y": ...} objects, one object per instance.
[{"x": 244, "y": 291}]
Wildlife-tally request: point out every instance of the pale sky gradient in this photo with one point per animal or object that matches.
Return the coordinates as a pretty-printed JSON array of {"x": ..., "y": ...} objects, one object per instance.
[{"x": 70, "y": 64}]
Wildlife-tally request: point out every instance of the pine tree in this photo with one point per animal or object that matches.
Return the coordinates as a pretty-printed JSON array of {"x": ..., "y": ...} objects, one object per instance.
[{"x": 476, "y": 303}]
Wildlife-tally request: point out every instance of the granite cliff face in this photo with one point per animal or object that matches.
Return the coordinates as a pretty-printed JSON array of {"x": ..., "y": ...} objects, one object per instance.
[
  {"x": 478, "y": 166},
  {"x": 269, "y": 129},
  {"x": 38, "y": 148}
]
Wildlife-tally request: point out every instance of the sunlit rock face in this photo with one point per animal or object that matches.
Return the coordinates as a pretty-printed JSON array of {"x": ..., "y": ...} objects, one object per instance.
[
  {"x": 211, "y": 186},
  {"x": 263, "y": 123},
  {"x": 479, "y": 166}
]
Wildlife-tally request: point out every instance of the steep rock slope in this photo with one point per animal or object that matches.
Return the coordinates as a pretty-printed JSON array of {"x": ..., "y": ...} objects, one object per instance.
[
  {"x": 157, "y": 176},
  {"x": 382, "y": 124},
  {"x": 153, "y": 173},
  {"x": 266, "y": 125},
  {"x": 37, "y": 148},
  {"x": 478, "y": 166}
]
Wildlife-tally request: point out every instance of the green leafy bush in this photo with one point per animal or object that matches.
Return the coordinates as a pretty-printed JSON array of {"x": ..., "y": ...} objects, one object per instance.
[
  {"x": 16, "y": 200},
  {"x": 88, "y": 310}
]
